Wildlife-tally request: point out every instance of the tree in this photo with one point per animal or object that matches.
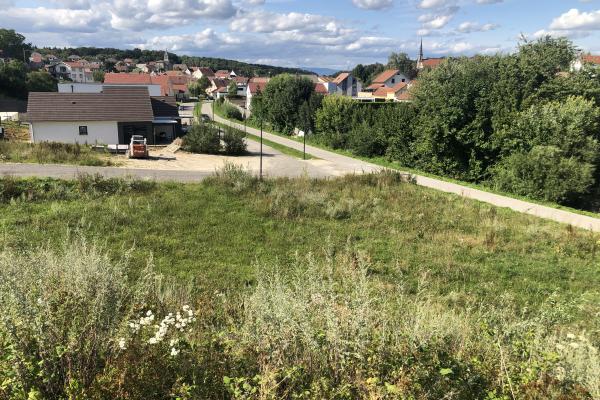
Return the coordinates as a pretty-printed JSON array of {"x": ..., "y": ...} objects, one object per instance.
[
  {"x": 203, "y": 84},
  {"x": 98, "y": 76},
  {"x": 13, "y": 44},
  {"x": 402, "y": 62},
  {"x": 12, "y": 79},
  {"x": 38, "y": 81},
  {"x": 283, "y": 96},
  {"x": 232, "y": 89},
  {"x": 366, "y": 73},
  {"x": 334, "y": 120},
  {"x": 545, "y": 173}
]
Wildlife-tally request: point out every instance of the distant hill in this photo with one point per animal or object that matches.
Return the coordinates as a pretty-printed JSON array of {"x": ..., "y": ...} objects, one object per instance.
[
  {"x": 144, "y": 56},
  {"x": 320, "y": 71}
]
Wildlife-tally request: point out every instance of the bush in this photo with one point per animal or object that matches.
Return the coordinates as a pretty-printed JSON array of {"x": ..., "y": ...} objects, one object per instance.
[
  {"x": 235, "y": 143},
  {"x": 202, "y": 138},
  {"x": 544, "y": 173},
  {"x": 232, "y": 112},
  {"x": 74, "y": 325},
  {"x": 366, "y": 141},
  {"x": 334, "y": 120}
]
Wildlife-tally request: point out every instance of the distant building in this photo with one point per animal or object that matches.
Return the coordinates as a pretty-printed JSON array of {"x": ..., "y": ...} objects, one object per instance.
[
  {"x": 254, "y": 88},
  {"x": 199, "y": 72},
  {"x": 74, "y": 71},
  {"x": 346, "y": 85},
  {"x": 427, "y": 63}
]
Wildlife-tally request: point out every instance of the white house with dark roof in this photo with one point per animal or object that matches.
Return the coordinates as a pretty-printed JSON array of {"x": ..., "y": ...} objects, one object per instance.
[{"x": 111, "y": 117}]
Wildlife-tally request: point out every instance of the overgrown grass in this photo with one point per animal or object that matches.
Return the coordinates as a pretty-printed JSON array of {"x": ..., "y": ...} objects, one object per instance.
[
  {"x": 385, "y": 162},
  {"x": 52, "y": 153},
  {"x": 76, "y": 324}
]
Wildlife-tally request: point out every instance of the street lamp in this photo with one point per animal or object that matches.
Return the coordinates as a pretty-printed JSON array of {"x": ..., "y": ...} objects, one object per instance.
[{"x": 261, "y": 148}]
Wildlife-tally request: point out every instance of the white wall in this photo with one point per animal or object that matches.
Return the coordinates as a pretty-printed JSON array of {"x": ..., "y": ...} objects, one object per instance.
[
  {"x": 396, "y": 79},
  {"x": 100, "y": 132},
  {"x": 73, "y": 87},
  {"x": 153, "y": 90}
]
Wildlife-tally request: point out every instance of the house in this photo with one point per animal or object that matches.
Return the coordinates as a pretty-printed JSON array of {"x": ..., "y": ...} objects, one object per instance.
[
  {"x": 254, "y": 88},
  {"x": 387, "y": 93},
  {"x": 388, "y": 78},
  {"x": 584, "y": 59},
  {"x": 242, "y": 84},
  {"x": 51, "y": 58},
  {"x": 135, "y": 78},
  {"x": 97, "y": 87},
  {"x": 222, "y": 74},
  {"x": 182, "y": 68},
  {"x": 76, "y": 71},
  {"x": 111, "y": 117},
  {"x": 80, "y": 71},
  {"x": 74, "y": 57},
  {"x": 199, "y": 72},
  {"x": 321, "y": 89},
  {"x": 345, "y": 84},
  {"x": 121, "y": 66}
]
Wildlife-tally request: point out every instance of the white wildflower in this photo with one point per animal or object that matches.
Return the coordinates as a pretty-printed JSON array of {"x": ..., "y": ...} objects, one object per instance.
[
  {"x": 570, "y": 336},
  {"x": 174, "y": 351},
  {"x": 122, "y": 345},
  {"x": 574, "y": 345},
  {"x": 152, "y": 340}
]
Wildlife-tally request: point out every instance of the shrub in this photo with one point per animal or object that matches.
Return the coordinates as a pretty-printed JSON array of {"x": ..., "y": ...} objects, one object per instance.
[
  {"x": 235, "y": 143},
  {"x": 544, "y": 173},
  {"x": 202, "y": 138},
  {"x": 74, "y": 325},
  {"x": 366, "y": 141},
  {"x": 233, "y": 176},
  {"x": 334, "y": 120},
  {"x": 232, "y": 112}
]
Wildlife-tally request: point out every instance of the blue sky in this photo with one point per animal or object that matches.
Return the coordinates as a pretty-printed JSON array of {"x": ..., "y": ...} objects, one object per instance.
[{"x": 318, "y": 33}]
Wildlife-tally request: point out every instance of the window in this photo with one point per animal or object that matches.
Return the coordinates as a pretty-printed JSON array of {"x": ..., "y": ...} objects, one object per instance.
[
  {"x": 83, "y": 130},
  {"x": 393, "y": 80},
  {"x": 403, "y": 80}
]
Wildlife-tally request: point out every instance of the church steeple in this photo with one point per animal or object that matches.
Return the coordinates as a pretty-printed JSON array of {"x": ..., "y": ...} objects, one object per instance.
[
  {"x": 421, "y": 57},
  {"x": 166, "y": 56}
]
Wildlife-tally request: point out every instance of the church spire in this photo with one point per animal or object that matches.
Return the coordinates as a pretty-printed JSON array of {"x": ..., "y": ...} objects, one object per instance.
[
  {"x": 166, "y": 56},
  {"x": 421, "y": 57}
]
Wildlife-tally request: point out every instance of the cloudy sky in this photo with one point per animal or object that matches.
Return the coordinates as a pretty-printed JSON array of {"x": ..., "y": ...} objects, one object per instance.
[{"x": 316, "y": 33}]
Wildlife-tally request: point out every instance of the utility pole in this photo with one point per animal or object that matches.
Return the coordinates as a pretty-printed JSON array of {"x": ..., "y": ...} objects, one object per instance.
[
  {"x": 261, "y": 148},
  {"x": 304, "y": 136}
]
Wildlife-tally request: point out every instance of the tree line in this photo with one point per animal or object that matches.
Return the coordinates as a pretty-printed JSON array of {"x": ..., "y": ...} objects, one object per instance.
[{"x": 522, "y": 123}]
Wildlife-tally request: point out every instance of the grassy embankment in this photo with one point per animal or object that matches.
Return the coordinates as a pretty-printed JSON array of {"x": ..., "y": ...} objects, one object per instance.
[
  {"x": 17, "y": 150},
  {"x": 384, "y": 162},
  {"x": 359, "y": 287}
]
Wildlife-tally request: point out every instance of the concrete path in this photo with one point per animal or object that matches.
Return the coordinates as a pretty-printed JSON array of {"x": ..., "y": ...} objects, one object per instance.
[{"x": 352, "y": 165}]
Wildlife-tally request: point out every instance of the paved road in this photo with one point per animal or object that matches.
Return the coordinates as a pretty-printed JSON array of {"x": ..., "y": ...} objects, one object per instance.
[
  {"x": 71, "y": 171},
  {"x": 351, "y": 165}
]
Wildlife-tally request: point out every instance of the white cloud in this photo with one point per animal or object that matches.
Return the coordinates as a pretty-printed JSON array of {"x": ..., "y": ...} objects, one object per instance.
[
  {"x": 488, "y": 1},
  {"x": 373, "y": 4},
  {"x": 469, "y": 27},
  {"x": 575, "y": 19},
  {"x": 434, "y": 3},
  {"x": 52, "y": 19}
]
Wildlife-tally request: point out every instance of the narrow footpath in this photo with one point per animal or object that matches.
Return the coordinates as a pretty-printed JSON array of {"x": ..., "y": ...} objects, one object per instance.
[{"x": 352, "y": 165}]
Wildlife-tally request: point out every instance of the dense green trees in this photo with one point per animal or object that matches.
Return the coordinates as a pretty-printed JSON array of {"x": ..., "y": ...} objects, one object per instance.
[
  {"x": 283, "y": 96},
  {"x": 13, "y": 44},
  {"x": 17, "y": 82},
  {"x": 522, "y": 123}
]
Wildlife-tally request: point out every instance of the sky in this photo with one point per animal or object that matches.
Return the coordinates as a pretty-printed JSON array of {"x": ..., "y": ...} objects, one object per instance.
[{"x": 335, "y": 34}]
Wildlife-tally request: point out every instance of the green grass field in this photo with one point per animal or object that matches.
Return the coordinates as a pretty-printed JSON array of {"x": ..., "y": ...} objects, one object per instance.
[
  {"x": 363, "y": 287},
  {"x": 469, "y": 251}
]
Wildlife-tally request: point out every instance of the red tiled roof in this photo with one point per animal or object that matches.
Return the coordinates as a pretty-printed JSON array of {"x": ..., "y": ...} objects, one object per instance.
[
  {"x": 75, "y": 64},
  {"x": 591, "y": 59},
  {"x": 375, "y": 86},
  {"x": 341, "y": 78},
  {"x": 399, "y": 86},
  {"x": 222, "y": 74},
  {"x": 432, "y": 62},
  {"x": 404, "y": 96},
  {"x": 255, "y": 87},
  {"x": 321, "y": 89},
  {"x": 385, "y": 75},
  {"x": 113, "y": 78},
  {"x": 180, "y": 88},
  {"x": 241, "y": 79},
  {"x": 205, "y": 71},
  {"x": 260, "y": 79},
  {"x": 383, "y": 91}
]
